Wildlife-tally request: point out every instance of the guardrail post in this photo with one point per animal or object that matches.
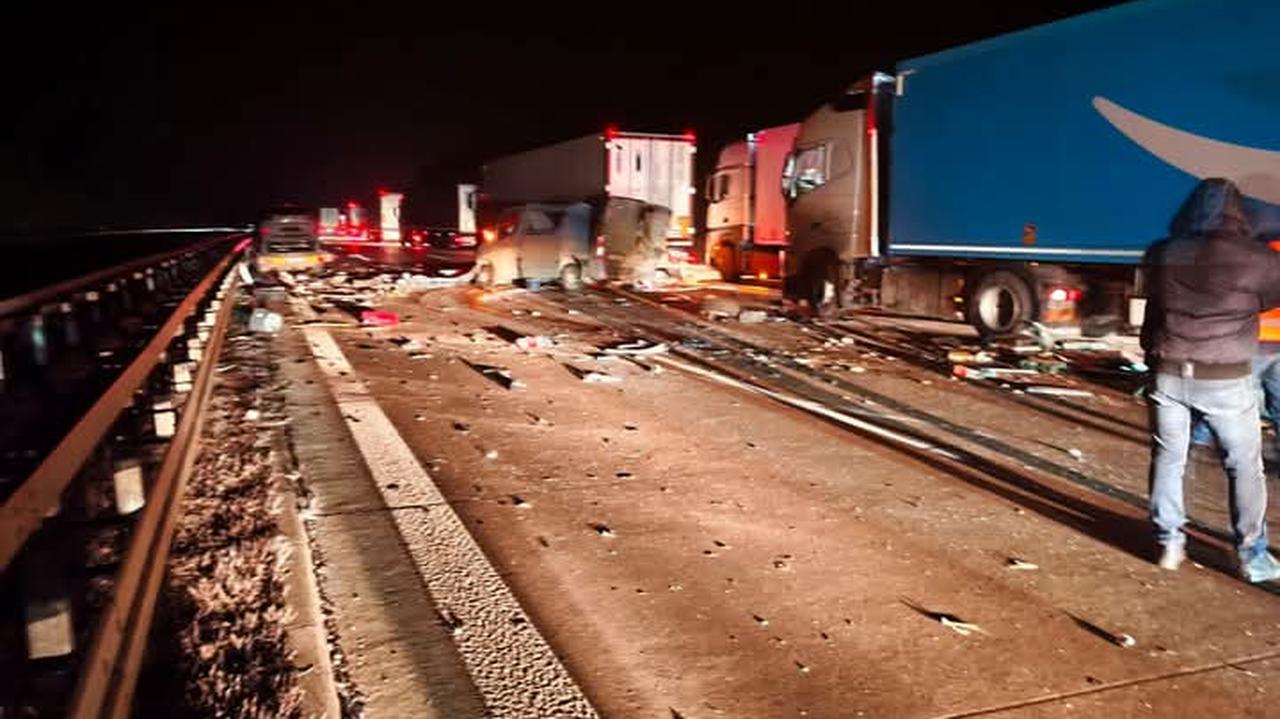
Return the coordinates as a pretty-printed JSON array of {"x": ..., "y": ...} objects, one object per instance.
[
  {"x": 38, "y": 340},
  {"x": 46, "y": 602}
]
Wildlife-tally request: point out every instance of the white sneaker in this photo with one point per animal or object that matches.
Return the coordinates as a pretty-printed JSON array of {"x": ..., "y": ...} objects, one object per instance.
[{"x": 1172, "y": 556}]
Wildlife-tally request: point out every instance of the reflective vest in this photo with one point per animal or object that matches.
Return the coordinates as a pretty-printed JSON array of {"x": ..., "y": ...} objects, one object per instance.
[{"x": 1269, "y": 322}]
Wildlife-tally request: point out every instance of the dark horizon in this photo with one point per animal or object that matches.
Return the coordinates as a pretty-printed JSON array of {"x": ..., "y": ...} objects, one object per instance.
[{"x": 173, "y": 116}]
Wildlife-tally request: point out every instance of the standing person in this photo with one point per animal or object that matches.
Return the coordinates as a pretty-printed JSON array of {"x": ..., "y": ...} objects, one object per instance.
[
  {"x": 1266, "y": 374},
  {"x": 1209, "y": 282}
]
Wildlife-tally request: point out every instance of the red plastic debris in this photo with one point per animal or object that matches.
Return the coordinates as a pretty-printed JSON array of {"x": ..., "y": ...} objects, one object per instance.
[{"x": 379, "y": 318}]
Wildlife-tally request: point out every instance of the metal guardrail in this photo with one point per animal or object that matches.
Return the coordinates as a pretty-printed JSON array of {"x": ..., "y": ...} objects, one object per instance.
[{"x": 166, "y": 381}]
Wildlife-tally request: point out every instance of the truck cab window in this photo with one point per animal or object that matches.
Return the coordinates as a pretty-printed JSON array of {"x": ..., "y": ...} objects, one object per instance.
[
  {"x": 805, "y": 170},
  {"x": 717, "y": 187},
  {"x": 810, "y": 168}
]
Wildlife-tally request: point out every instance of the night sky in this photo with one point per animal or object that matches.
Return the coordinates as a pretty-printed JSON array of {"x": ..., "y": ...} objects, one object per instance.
[{"x": 186, "y": 115}]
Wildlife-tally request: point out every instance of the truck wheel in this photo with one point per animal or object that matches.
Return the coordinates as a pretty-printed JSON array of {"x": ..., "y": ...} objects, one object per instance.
[
  {"x": 484, "y": 275},
  {"x": 825, "y": 288},
  {"x": 571, "y": 277},
  {"x": 1000, "y": 304}
]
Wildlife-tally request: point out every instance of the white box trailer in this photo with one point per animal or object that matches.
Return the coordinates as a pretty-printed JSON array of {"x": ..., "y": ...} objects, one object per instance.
[
  {"x": 653, "y": 168},
  {"x": 389, "y": 214}
]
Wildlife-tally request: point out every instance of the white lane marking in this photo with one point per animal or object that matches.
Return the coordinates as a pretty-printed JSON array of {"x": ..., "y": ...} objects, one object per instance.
[
  {"x": 515, "y": 670},
  {"x": 808, "y": 406}
]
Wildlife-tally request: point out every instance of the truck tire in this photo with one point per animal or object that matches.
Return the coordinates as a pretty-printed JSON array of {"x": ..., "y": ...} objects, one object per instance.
[
  {"x": 1000, "y": 304},
  {"x": 484, "y": 275},
  {"x": 571, "y": 277},
  {"x": 825, "y": 286}
]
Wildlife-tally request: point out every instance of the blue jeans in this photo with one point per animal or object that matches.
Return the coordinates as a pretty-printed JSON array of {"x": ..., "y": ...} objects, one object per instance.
[
  {"x": 1230, "y": 407},
  {"x": 1266, "y": 375},
  {"x": 1266, "y": 371}
]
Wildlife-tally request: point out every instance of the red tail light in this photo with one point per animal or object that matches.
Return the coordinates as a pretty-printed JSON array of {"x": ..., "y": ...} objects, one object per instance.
[
  {"x": 599, "y": 245},
  {"x": 1065, "y": 294}
]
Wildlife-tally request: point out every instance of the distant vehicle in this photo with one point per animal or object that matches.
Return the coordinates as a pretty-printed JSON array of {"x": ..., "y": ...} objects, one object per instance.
[
  {"x": 288, "y": 238},
  {"x": 650, "y": 168},
  {"x": 389, "y": 215},
  {"x": 467, "y": 209},
  {"x": 576, "y": 243},
  {"x": 1022, "y": 178},
  {"x": 436, "y": 238},
  {"x": 330, "y": 222},
  {"x": 342, "y": 225},
  {"x": 746, "y": 218}
]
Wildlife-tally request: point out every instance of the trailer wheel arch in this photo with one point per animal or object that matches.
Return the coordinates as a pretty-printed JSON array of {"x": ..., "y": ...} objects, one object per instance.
[{"x": 1000, "y": 300}]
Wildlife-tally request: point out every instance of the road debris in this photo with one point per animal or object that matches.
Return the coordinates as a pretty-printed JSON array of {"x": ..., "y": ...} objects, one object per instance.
[
  {"x": 498, "y": 375},
  {"x": 1058, "y": 391},
  {"x": 602, "y": 529},
  {"x": 535, "y": 343},
  {"x": 750, "y": 317},
  {"x": 950, "y": 621},
  {"x": 1020, "y": 565},
  {"x": 379, "y": 318},
  {"x": 968, "y": 357},
  {"x": 1124, "y": 641},
  {"x": 265, "y": 321},
  {"x": 637, "y": 348}
]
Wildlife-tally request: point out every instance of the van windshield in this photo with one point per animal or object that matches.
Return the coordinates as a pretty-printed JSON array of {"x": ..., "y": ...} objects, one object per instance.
[{"x": 542, "y": 222}]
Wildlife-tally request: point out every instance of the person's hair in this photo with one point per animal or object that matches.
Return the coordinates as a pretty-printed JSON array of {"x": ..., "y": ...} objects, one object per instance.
[{"x": 1215, "y": 205}]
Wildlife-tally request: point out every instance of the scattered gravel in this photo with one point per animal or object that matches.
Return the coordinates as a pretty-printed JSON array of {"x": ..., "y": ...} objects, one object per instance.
[{"x": 226, "y": 654}]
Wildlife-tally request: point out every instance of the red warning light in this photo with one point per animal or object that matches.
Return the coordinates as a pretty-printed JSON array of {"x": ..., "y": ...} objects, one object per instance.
[
  {"x": 690, "y": 135},
  {"x": 611, "y": 132}
]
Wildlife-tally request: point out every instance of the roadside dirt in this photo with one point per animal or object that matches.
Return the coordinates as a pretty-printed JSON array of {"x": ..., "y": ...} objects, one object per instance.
[{"x": 224, "y": 649}]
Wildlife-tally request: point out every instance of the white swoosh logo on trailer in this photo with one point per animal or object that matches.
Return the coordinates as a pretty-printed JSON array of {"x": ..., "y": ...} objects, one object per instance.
[{"x": 1255, "y": 170}]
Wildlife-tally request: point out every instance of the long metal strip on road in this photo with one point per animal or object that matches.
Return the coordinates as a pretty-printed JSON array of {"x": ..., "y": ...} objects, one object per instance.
[{"x": 825, "y": 382}]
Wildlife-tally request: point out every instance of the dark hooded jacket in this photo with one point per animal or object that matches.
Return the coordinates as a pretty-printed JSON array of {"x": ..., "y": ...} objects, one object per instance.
[{"x": 1208, "y": 282}]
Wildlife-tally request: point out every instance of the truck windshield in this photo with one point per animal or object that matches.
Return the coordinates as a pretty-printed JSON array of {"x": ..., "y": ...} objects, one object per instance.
[{"x": 805, "y": 170}]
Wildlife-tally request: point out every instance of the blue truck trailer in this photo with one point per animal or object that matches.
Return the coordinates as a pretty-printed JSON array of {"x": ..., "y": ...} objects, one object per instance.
[{"x": 1022, "y": 178}]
